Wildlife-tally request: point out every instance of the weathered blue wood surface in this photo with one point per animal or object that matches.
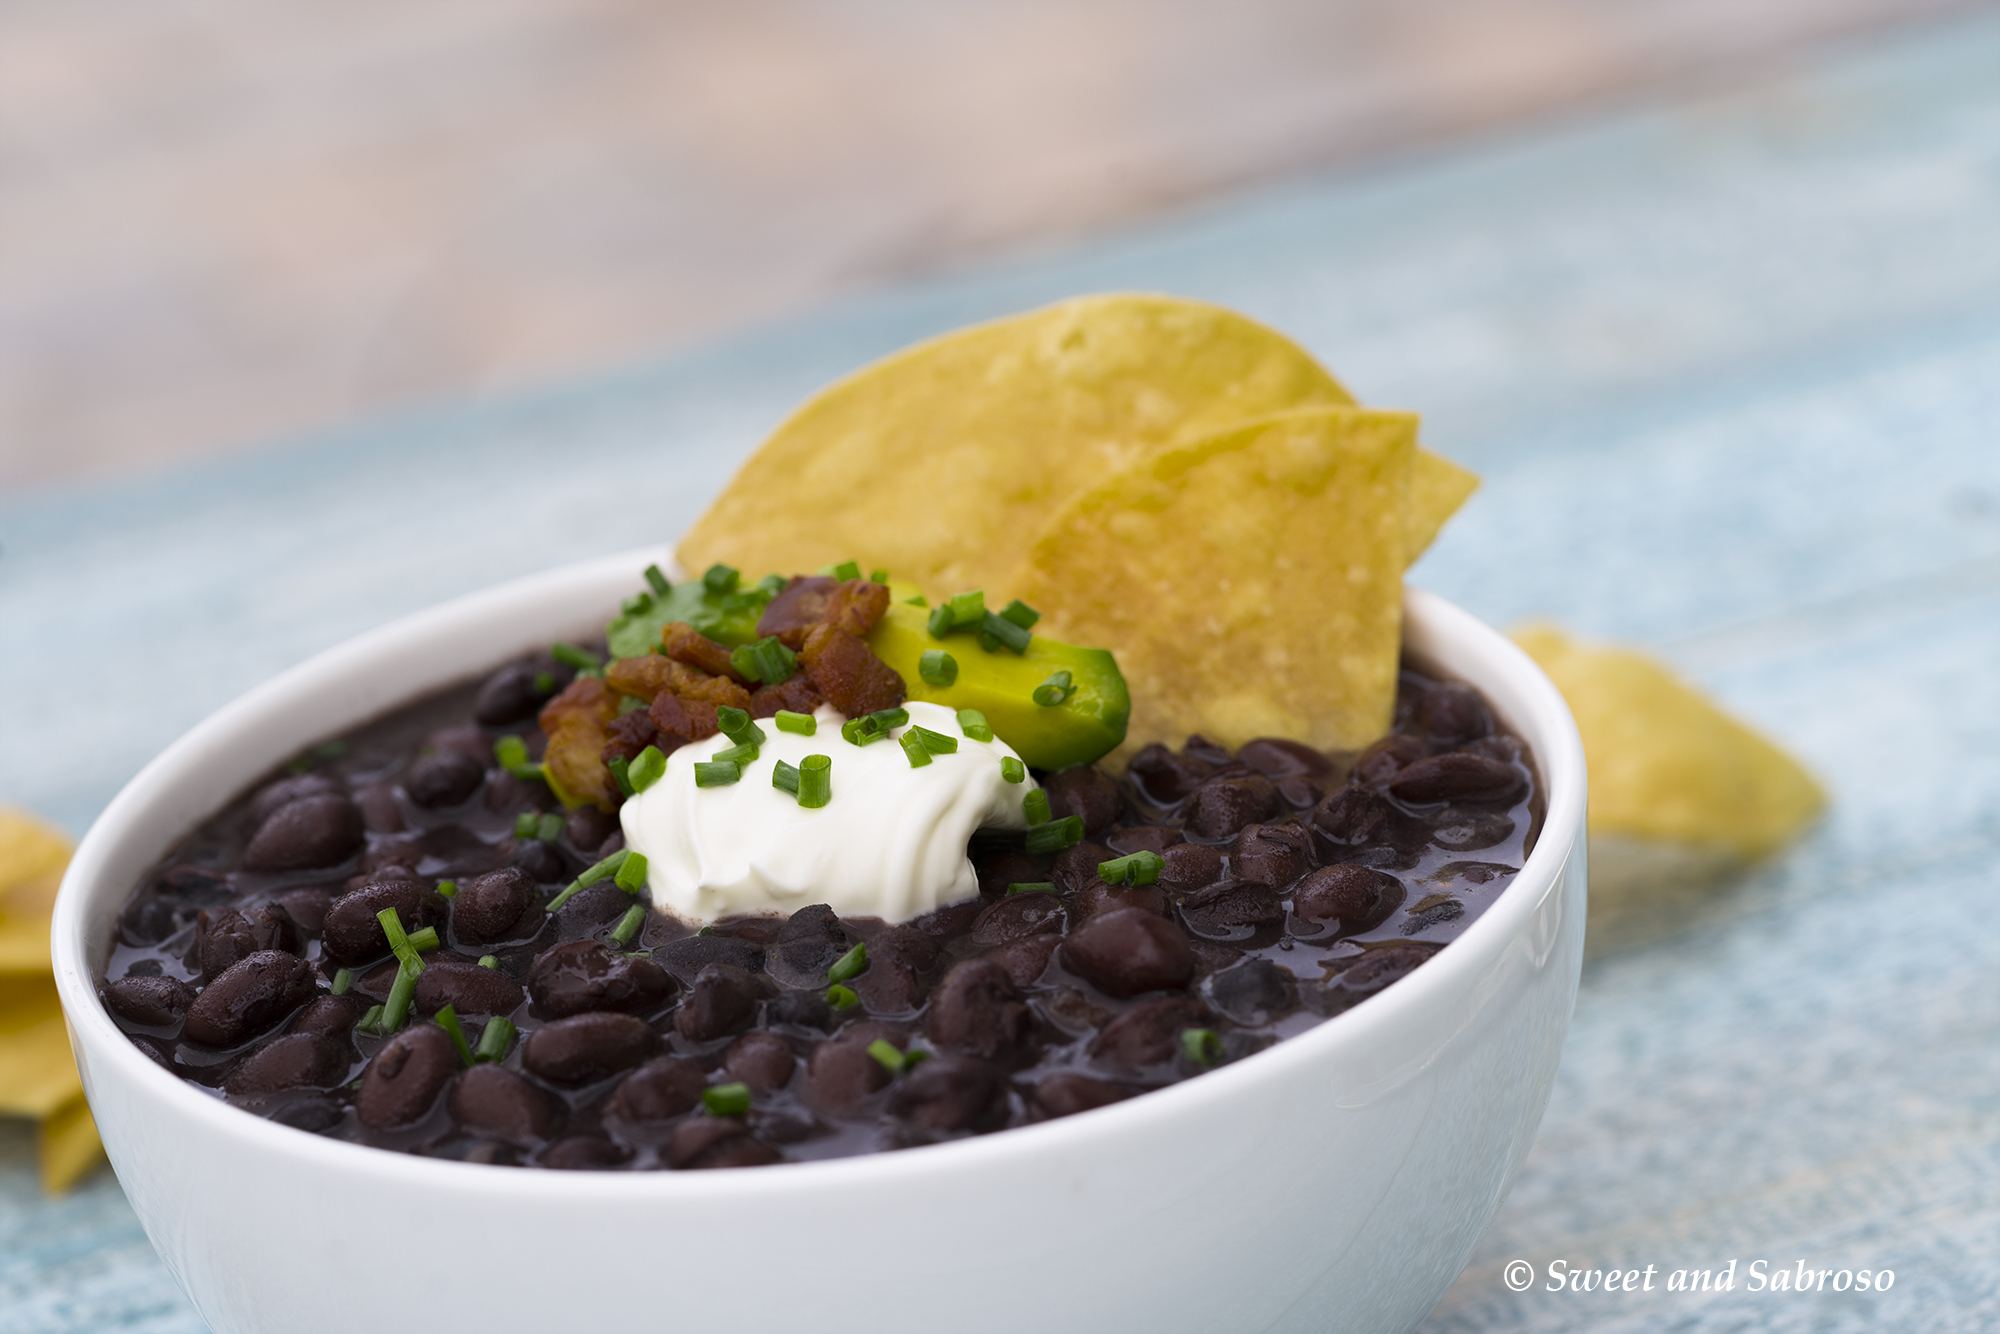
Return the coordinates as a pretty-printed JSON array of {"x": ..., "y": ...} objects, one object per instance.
[{"x": 1732, "y": 371}]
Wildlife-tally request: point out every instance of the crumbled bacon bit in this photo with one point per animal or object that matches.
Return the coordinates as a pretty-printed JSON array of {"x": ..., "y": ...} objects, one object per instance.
[
  {"x": 576, "y": 722},
  {"x": 679, "y": 721},
  {"x": 628, "y": 734},
  {"x": 713, "y": 691},
  {"x": 857, "y": 606},
  {"x": 686, "y": 644},
  {"x": 648, "y": 674},
  {"x": 798, "y": 607},
  {"x": 846, "y": 671},
  {"x": 796, "y": 694}
]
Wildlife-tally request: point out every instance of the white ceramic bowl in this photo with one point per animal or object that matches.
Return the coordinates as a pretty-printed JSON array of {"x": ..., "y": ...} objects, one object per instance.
[{"x": 1335, "y": 1181}]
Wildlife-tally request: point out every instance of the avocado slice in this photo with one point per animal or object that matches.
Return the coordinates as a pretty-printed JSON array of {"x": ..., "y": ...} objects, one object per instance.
[{"x": 1001, "y": 684}]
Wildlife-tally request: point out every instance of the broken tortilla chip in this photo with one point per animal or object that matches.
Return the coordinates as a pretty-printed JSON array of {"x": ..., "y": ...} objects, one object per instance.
[
  {"x": 68, "y": 1146},
  {"x": 1249, "y": 584},
  {"x": 33, "y": 856},
  {"x": 942, "y": 462},
  {"x": 1665, "y": 762}
]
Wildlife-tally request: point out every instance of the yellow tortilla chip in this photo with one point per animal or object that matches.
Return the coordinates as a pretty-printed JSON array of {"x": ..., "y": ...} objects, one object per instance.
[
  {"x": 1249, "y": 584},
  {"x": 33, "y": 856},
  {"x": 37, "y": 1072},
  {"x": 942, "y": 462},
  {"x": 1665, "y": 762},
  {"x": 69, "y": 1146},
  {"x": 1437, "y": 488}
]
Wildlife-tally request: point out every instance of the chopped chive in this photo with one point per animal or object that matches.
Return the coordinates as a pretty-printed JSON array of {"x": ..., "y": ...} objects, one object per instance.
[
  {"x": 646, "y": 769},
  {"x": 1056, "y": 690},
  {"x": 861, "y": 731},
  {"x": 940, "y": 620},
  {"x": 914, "y": 749},
  {"x": 738, "y": 727},
  {"x": 937, "y": 743},
  {"x": 549, "y": 828},
  {"x": 878, "y": 576},
  {"x": 545, "y": 683},
  {"x": 1020, "y": 613},
  {"x": 524, "y": 824},
  {"x": 771, "y": 585},
  {"x": 371, "y": 1021},
  {"x": 842, "y": 998},
  {"x": 799, "y": 724},
  {"x": 637, "y": 605},
  {"x": 740, "y": 756},
  {"x": 973, "y": 723},
  {"x": 785, "y": 778},
  {"x": 720, "y": 579},
  {"x": 815, "y": 780},
  {"x": 715, "y": 774},
  {"x": 512, "y": 753},
  {"x": 628, "y": 925},
  {"x": 968, "y": 609},
  {"x": 847, "y": 569},
  {"x": 621, "y": 774},
  {"x": 848, "y": 964},
  {"x": 1035, "y": 805},
  {"x": 1032, "y": 887},
  {"x": 447, "y": 1019},
  {"x": 988, "y": 643},
  {"x": 489, "y": 961},
  {"x": 1004, "y": 633},
  {"x": 1055, "y": 835},
  {"x": 571, "y": 655},
  {"x": 918, "y": 601},
  {"x": 448, "y": 888},
  {"x": 937, "y": 667},
  {"x": 495, "y": 1040},
  {"x": 343, "y": 978},
  {"x": 657, "y": 580},
  {"x": 1201, "y": 1046},
  {"x": 397, "y": 1008},
  {"x": 1012, "y": 770},
  {"x": 886, "y": 1052},
  {"x": 608, "y": 866},
  {"x": 1138, "y": 868},
  {"x": 399, "y": 940},
  {"x": 632, "y": 874},
  {"x": 726, "y": 1099},
  {"x": 888, "y": 718},
  {"x": 744, "y": 663},
  {"x": 774, "y": 662},
  {"x": 426, "y": 939}
]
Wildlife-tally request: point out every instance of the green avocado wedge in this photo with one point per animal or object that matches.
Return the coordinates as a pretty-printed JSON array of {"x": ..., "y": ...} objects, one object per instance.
[{"x": 1087, "y": 726}]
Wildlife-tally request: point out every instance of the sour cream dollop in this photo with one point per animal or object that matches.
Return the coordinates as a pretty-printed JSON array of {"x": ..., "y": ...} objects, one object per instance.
[{"x": 890, "y": 843}]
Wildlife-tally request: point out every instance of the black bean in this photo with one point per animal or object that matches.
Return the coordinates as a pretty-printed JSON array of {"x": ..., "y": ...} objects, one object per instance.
[
  {"x": 312, "y": 1115},
  {"x": 1373, "y": 971},
  {"x": 979, "y": 1011},
  {"x": 714, "y": 1141},
  {"x": 495, "y": 1102},
  {"x": 1384, "y": 759},
  {"x": 586, "y": 828},
  {"x": 1231, "y": 910},
  {"x": 1475, "y": 873},
  {"x": 585, "y": 975},
  {"x": 1224, "y": 805},
  {"x": 1275, "y": 855},
  {"x": 1457, "y": 829},
  {"x": 467, "y": 988},
  {"x": 309, "y": 832},
  {"x": 1451, "y": 714},
  {"x": 1353, "y": 817},
  {"x": 1085, "y": 791},
  {"x": 840, "y": 1074},
  {"x": 999, "y": 868},
  {"x": 542, "y": 862},
  {"x": 1457, "y": 776},
  {"x": 228, "y": 935},
  {"x": 403, "y": 1080},
  {"x": 381, "y": 811},
  {"x": 810, "y": 942},
  {"x": 584, "y": 1153},
  {"x": 764, "y": 1061},
  {"x": 802, "y": 1009},
  {"x": 157, "y": 1002},
  {"x": 307, "y": 907},
  {"x": 659, "y": 1090},
  {"x": 1276, "y": 757},
  {"x": 1017, "y": 917},
  {"x": 1129, "y": 951},
  {"x": 723, "y": 1000},
  {"x": 1301, "y": 794},
  {"x": 949, "y": 1094},
  {"x": 443, "y": 778},
  {"x": 1076, "y": 867},
  {"x": 488, "y": 906},
  {"x": 464, "y": 853},
  {"x": 288, "y": 790},
  {"x": 1066, "y": 1093},
  {"x": 1166, "y": 777},
  {"x": 327, "y": 1016},
  {"x": 296, "y": 1060},
  {"x": 1347, "y": 898},
  {"x": 1431, "y": 911},
  {"x": 594, "y": 908},
  {"x": 1148, "y": 1033},
  {"x": 585, "y": 1048},
  {"x": 1025, "y": 961},
  {"x": 1255, "y": 991},
  {"x": 690, "y": 954},
  {"x": 353, "y": 933},
  {"x": 512, "y": 694},
  {"x": 1189, "y": 866},
  {"x": 1142, "y": 838},
  {"x": 900, "y": 963},
  {"x": 251, "y": 995},
  {"x": 954, "y": 919},
  {"x": 1102, "y": 898}
]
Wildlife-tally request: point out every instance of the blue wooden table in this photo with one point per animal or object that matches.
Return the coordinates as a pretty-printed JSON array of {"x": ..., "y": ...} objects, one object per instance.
[{"x": 1731, "y": 368}]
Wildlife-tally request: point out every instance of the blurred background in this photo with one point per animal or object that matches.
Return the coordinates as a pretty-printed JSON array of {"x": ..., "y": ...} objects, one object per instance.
[{"x": 226, "y": 221}]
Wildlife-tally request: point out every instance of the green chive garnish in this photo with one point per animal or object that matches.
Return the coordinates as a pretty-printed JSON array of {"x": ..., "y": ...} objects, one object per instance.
[
  {"x": 1021, "y": 614},
  {"x": 771, "y": 585},
  {"x": 370, "y": 1022},
  {"x": 658, "y": 581},
  {"x": 447, "y": 1019},
  {"x": 1055, "y": 835},
  {"x": 815, "y": 780},
  {"x": 399, "y": 940},
  {"x": 525, "y": 824},
  {"x": 744, "y": 662},
  {"x": 580, "y": 658},
  {"x": 545, "y": 683},
  {"x": 738, "y": 727},
  {"x": 494, "y": 1042},
  {"x": 1035, "y": 805},
  {"x": 343, "y": 978},
  {"x": 848, "y": 964},
  {"x": 740, "y": 756},
  {"x": 878, "y": 576},
  {"x": 632, "y": 874},
  {"x": 426, "y": 939},
  {"x": 888, "y": 718},
  {"x": 1004, "y": 634},
  {"x": 397, "y": 1008},
  {"x": 861, "y": 731},
  {"x": 1032, "y": 887},
  {"x": 512, "y": 753},
  {"x": 842, "y": 998},
  {"x": 448, "y": 888},
  {"x": 1056, "y": 690},
  {"x": 785, "y": 778},
  {"x": 937, "y": 743},
  {"x": 715, "y": 774},
  {"x": 1011, "y": 769},
  {"x": 918, "y": 601},
  {"x": 608, "y": 866},
  {"x": 799, "y": 724},
  {"x": 885, "y": 1051},
  {"x": 914, "y": 749},
  {"x": 937, "y": 667},
  {"x": 646, "y": 769},
  {"x": 489, "y": 961},
  {"x": 973, "y": 723},
  {"x": 549, "y": 828},
  {"x": 637, "y": 605},
  {"x": 968, "y": 609},
  {"x": 939, "y": 623},
  {"x": 621, "y": 774},
  {"x": 774, "y": 662},
  {"x": 847, "y": 569},
  {"x": 727, "y": 1099},
  {"x": 720, "y": 579},
  {"x": 1138, "y": 868},
  {"x": 1201, "y": 1046},
  {"x": 628, "y": 925}
]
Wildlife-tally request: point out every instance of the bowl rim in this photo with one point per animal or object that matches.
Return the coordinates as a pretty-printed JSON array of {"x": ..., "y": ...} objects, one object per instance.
[{"x": 1539, "y": 714}]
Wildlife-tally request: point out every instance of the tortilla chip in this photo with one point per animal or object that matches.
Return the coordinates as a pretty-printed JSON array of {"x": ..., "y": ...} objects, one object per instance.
[
  {"x": 1437, "y": 488},
  {"x": 37, "y": 1072},
  {"x": 69, "y": 1146},
  {"x": 942, "y": 462},
  {"x": 1665, "y": 762},
  {"x": 1249, "y": 584},
  {"x": 33, "y": 856}
]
